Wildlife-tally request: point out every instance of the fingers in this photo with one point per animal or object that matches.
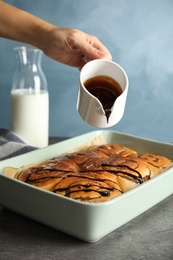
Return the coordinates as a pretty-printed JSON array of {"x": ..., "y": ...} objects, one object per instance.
[
  {"x": 89, "y": 45},
  {"x": 95, "y": 50}
]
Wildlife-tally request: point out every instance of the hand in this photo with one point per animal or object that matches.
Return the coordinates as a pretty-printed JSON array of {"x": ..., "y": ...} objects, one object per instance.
[
  {"x": 73, "y": 47},
  {"x": 69, "y": 46}
]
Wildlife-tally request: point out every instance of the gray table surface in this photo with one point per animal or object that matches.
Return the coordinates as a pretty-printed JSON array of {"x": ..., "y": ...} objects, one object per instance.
[{"x": 149, "y": 236}]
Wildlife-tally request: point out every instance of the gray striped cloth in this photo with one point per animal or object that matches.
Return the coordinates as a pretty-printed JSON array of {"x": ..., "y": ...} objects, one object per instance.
[{"x": 11, "y": 145}]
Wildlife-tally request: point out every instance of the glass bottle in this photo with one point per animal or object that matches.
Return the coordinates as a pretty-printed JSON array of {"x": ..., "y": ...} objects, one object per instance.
[{"x": 30, "y": 98}]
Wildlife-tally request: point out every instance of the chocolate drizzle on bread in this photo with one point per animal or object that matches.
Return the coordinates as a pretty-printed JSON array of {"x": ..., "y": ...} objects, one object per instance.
[{"x": 97, "y": 174}]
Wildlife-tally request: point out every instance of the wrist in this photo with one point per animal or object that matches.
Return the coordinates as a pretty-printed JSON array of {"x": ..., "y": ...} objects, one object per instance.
[{"x": 39, "y": 34}]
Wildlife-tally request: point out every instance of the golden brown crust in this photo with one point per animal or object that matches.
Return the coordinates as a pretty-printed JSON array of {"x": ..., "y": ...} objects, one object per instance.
[
  {"x": 114, "y": 149},
  {"x": 89, "y": 186},
  {"x": 157, "y": 163},
  {"x": 98, "y": 174}
]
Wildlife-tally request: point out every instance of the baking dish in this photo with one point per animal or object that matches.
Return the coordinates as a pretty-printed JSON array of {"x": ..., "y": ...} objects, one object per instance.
[{"x": 87, "y": 221}]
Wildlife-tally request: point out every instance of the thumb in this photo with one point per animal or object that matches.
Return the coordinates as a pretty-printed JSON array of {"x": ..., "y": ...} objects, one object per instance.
[{"x": 91, "y": 52}]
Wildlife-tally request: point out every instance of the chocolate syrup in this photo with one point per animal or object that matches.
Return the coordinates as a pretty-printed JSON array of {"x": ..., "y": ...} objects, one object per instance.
[{"x": 106, "y": 89}]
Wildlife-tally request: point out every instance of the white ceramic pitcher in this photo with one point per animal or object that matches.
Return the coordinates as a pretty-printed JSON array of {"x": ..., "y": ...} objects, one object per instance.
[{"x": 88, "y": 106}]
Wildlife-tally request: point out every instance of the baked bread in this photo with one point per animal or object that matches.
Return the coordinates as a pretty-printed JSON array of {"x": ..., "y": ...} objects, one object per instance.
[{"x": 97, "y": 174}]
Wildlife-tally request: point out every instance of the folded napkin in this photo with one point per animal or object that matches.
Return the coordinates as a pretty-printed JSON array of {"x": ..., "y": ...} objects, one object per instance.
[{"x": 11, "y": 145}]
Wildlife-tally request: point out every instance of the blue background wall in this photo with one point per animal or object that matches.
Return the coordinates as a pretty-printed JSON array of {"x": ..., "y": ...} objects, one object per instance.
[{"x": 138, "y": 33}]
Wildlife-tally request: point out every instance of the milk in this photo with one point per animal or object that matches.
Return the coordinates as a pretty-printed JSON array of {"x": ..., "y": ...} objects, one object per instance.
[{"x": 30, "y": 116}]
